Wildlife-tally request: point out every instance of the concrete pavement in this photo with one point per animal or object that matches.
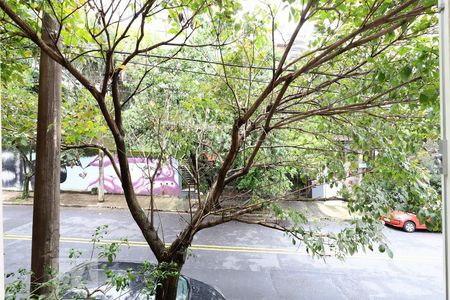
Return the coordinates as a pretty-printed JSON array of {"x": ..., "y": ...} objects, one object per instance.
[
  {"x": 250, "y": 262},
  {"x": 75, "y": 199},
  {"x": 315, "y": 210}
]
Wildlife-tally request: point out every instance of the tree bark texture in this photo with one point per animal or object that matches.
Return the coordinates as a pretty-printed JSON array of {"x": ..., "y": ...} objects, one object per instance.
[
  {"x": 168, "y": 286},
  {"x": 45, "y": 241}
]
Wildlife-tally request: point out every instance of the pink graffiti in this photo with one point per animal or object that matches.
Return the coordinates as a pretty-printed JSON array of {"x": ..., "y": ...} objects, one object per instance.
[{"x": 165, "y": 182}]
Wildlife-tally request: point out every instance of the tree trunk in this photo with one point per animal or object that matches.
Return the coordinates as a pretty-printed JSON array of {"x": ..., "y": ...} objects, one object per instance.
[
  {"x": 138, "y": 214},
  {"x": 152, "y": 203},
  {"x": 45, "y": 241},
  {"x": 28, "y": 170},
  {"x": 168, "y": 285},
  {"x": 26, "y": 185}
]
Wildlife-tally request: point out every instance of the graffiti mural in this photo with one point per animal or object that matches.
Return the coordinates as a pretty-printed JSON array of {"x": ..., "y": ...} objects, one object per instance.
[
  {"x": 12, "y": 170},
  {"x": 85, "y": 175}
]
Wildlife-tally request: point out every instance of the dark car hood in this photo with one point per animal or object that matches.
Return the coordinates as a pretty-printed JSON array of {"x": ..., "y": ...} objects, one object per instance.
[
  {"x": 92, "y": 274},
  {"x": 202, "y": 291}
]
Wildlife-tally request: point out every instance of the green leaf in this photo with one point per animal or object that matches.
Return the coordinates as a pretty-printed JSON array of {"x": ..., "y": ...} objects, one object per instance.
[
  {"x": 381, "y": 76},
  {"x": 405, "y": 73},
  {"x": 423, "y": 98},
  {"x": 429, "y": 2}
]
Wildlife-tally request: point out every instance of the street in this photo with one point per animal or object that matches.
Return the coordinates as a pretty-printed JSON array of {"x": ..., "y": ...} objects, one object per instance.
[{"x": 250, "y": 262}]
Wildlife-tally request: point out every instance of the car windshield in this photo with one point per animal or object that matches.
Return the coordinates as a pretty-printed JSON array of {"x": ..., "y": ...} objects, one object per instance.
[
  {"x": 182, "y": 291},
  {"x": 92, "y": 277}
]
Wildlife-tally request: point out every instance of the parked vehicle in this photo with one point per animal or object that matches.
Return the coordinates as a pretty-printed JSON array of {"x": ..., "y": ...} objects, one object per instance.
[
  {"x": 407, "y": 221},
  {"x": 91, "y": 278}
]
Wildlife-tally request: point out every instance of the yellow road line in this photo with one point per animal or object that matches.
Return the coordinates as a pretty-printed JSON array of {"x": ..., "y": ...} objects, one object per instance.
[
  {"x": 221, "y": 248},
  {"x": 144, "y": 244}
]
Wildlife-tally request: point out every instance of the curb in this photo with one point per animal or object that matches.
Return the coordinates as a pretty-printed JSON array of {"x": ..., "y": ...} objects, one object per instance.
[
  {"x": 88, "y": 206},
  {"x": 257, "y": 216}
]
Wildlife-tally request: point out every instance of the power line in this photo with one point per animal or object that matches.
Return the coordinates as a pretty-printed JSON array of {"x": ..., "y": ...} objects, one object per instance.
[
  {"x": 204, "y": 73},
  {"x": 201, "y": 61},
  {"x": 179, "y": 69},
  {"x": 256, "y": 67},
  {"x": 215, "y": 63},
  {"x": 199, "y": 72},
  {"x": 184, "y": 70},
  {"x": 190, "y": 71}
]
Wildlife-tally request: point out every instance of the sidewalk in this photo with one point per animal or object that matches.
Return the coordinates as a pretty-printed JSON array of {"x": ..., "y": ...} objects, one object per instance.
[
  {"x": 332, "y": 210},
  {"x": 73, "y": 199},
  {"x": 314, "y": 210}
]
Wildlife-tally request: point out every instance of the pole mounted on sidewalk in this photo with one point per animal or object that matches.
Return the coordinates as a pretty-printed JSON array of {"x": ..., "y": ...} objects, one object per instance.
[
  {"x": 45, "y": 242},
  {"x": 444, "y": 64}
]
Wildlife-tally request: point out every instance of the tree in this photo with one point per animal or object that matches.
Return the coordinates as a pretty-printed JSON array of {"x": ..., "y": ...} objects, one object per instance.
[
  {"x": 17, "y": 105},
  {"x": 354, "y": 71},
  {"x": 18, "y": 85},
  {"x": 81, "y": 121}
]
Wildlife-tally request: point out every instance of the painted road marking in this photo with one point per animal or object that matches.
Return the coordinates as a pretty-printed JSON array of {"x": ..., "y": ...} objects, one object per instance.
[
  {"x": 144, "y": 244},
  {"x": 223, "y": 248}
]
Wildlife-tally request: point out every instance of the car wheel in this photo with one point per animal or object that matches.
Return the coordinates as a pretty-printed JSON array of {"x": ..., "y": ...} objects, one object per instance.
[{"x": 409, "y": 226}]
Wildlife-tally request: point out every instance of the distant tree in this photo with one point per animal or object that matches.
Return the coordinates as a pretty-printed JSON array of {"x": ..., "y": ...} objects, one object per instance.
[{"x": 19, "y": 110}]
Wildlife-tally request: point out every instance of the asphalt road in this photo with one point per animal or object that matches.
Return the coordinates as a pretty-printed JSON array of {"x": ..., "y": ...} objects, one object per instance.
[{"x": 249, "y": 262}]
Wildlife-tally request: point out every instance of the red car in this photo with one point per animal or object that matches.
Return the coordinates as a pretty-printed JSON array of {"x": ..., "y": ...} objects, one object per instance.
[{"x": 407, "y": 221}]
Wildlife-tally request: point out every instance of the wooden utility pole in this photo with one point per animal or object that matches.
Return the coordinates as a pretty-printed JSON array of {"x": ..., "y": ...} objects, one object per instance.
[{"x": 45, "y": 241}]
